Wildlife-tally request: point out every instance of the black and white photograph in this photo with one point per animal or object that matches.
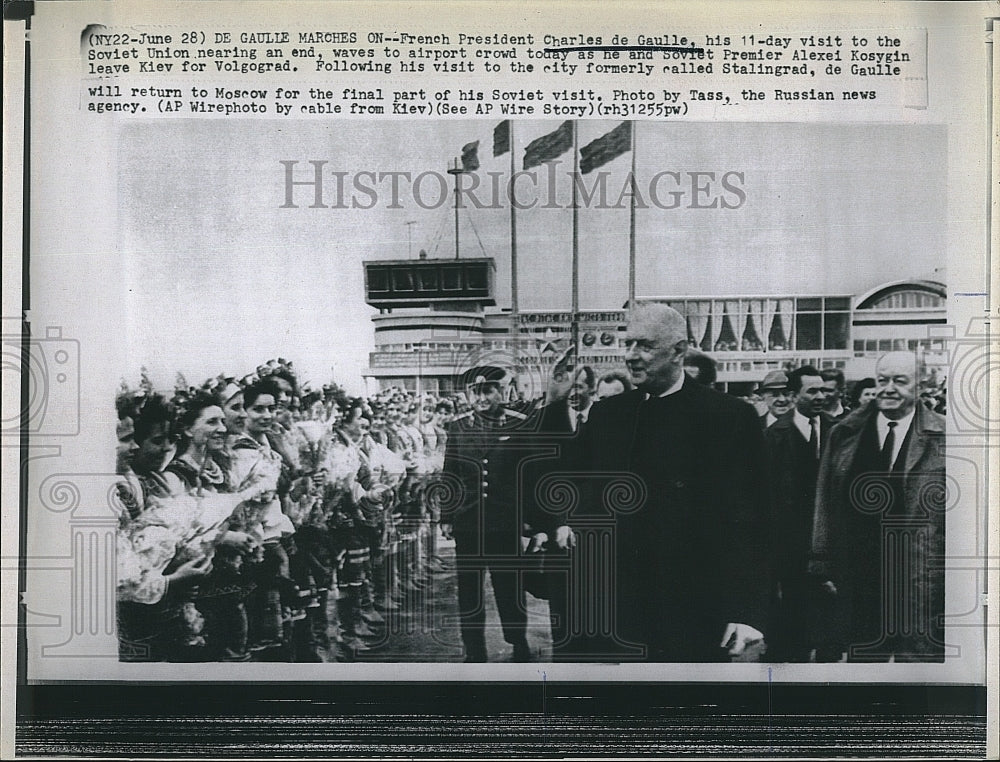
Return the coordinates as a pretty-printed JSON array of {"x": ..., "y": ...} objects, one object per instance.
[
  {"x": 347, "y": 421},
  {"x": 538, "y": 359}
]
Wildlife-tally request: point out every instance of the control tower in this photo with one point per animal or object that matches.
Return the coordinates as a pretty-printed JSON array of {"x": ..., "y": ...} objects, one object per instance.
[{"x": 432, "y": 320}]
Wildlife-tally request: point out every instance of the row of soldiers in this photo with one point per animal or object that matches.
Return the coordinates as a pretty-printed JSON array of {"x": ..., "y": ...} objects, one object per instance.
[{"x": 258, "y": 518}]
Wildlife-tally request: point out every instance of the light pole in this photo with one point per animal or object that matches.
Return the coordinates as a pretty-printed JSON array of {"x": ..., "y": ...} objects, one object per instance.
[{"x": 409, "y": 237}]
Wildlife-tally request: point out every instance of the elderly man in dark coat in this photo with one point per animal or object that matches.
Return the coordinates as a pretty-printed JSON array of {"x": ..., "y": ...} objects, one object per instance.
[
  {"x": 878, "y": 537},
  {"x": 672, "y": 525}
]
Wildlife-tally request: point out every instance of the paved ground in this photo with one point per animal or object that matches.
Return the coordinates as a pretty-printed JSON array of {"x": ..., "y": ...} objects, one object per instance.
[{"x": 425, "y": 629}]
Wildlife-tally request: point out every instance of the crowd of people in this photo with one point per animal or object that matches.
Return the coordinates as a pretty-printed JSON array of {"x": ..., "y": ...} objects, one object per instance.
[
  {"x": 264, "y": 520},
  {"x": 261, "y": 520},
  {"x": 680, "y": 524}
]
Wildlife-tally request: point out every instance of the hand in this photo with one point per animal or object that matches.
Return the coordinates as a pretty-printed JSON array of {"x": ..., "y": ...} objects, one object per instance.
[
  {"x": 738, "y": 636},
  {"x": 565, "y": 538},
  {"x": 299, "y": 488},
  {"x": 262, "y": 496},
  {"x": 255, "y": 490},
  {"x": 561, "y": 380},
  {"x": 828, "y": 587},
  {"x": 239, "y": 540},
  {"x": 446, "y": 530},
  {"x": 537, "y": 542},
  {"x": 196, "y": 568},
  {"x": 377, "y": 493}
]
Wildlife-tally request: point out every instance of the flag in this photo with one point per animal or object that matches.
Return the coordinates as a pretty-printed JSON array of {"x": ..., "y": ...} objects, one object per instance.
[
  {"x": 501, "y": 138},
  {"x": 548, "y": 147},
  {"x": 470, "y": 156},
  {"x": 606, "y": 147}
]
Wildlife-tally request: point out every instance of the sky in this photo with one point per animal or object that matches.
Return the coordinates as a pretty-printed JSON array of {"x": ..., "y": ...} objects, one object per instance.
[{"x": 220, "y": 277}]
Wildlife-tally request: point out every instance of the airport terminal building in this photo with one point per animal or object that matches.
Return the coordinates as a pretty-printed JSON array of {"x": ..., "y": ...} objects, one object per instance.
[{"x": 438, "y": 317}]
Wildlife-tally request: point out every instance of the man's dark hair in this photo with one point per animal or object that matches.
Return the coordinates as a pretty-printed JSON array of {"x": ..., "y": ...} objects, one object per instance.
[
  {"x": 795, "y": 377},
  {"x": 707, "y": 369},
  {"x": 833, "y": 374}
]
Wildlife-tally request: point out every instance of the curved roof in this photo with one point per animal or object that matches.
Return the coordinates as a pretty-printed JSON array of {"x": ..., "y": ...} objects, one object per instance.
[{"x": 872, "y": 297}]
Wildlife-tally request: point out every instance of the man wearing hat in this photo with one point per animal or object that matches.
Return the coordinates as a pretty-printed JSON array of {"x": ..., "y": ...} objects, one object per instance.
[
  {"x": 481, "y": 507},
  {"x": 774, "y": 389}
]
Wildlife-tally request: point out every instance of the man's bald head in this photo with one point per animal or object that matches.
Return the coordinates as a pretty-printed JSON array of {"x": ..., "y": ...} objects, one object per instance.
[
  {"x": 668, "y": 321},
  {"x": 896, "y": 384},
  {"x": 655, "y": 343}
]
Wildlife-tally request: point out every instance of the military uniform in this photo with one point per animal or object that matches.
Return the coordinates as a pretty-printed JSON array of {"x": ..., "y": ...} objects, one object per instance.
[{"x": 483, "y": 500}]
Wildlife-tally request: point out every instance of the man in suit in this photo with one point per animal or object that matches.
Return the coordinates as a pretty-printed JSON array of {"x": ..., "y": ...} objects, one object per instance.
[
  {"x": 879, "y": 530},
  {"x": 569, "y": 414},
  {"x": 673, "y": 497},
  {"x": 794, "y": 445},
  {"x": 561, "y": 422},
  {"x": 482, "y": 508},
  {"x": 774, "y": 390}
]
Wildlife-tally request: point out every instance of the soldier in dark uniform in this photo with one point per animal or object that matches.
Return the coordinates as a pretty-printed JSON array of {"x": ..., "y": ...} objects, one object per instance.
[{"x": 483, "y": 511}]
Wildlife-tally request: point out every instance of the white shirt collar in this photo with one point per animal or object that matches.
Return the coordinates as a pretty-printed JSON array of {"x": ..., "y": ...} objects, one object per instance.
[
  {"x": 585, "y": 413},
  {"x": 803, "y": 424},
  {"x": 901, "y": 429}
]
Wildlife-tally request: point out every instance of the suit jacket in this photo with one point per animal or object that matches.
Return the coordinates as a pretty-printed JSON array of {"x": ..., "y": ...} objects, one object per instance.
[
  {"x": 482, "y": 489},
  {"x": 559, "y": 446},
  {"x": 554, "y": 418},
  {"x": 692, "y": 519},
  {"x": 794, "y": 471},
  {"x": 835, "y": 542}
]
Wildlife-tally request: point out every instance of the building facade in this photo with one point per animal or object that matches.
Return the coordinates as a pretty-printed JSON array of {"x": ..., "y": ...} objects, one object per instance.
[{"x": 438, "y": 317}]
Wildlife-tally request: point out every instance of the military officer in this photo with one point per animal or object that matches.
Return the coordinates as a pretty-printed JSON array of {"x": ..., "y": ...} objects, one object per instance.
[{"x": 483, "y": 511}]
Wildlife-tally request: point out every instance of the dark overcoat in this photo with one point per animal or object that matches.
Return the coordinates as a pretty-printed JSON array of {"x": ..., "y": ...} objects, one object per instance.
[
  {"x": 844, "y": 494},
  {"x": 683, "y": 481}
]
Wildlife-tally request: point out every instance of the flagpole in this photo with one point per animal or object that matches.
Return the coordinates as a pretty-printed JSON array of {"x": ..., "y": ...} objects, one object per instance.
[
  {"x": 513, "y": 226},
  {"x": 513, "y": 244},
  {"x": 575, "y": 330},
  {"x": 631, "y": 226},
  {"x": 456, "y": 171}
]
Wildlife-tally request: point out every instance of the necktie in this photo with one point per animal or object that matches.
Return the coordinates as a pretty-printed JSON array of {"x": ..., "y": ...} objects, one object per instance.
[
  {"x": 814, "y": 436},
  {"x": 579, "y": 421},
  {"x": 888, "y": 445}
]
